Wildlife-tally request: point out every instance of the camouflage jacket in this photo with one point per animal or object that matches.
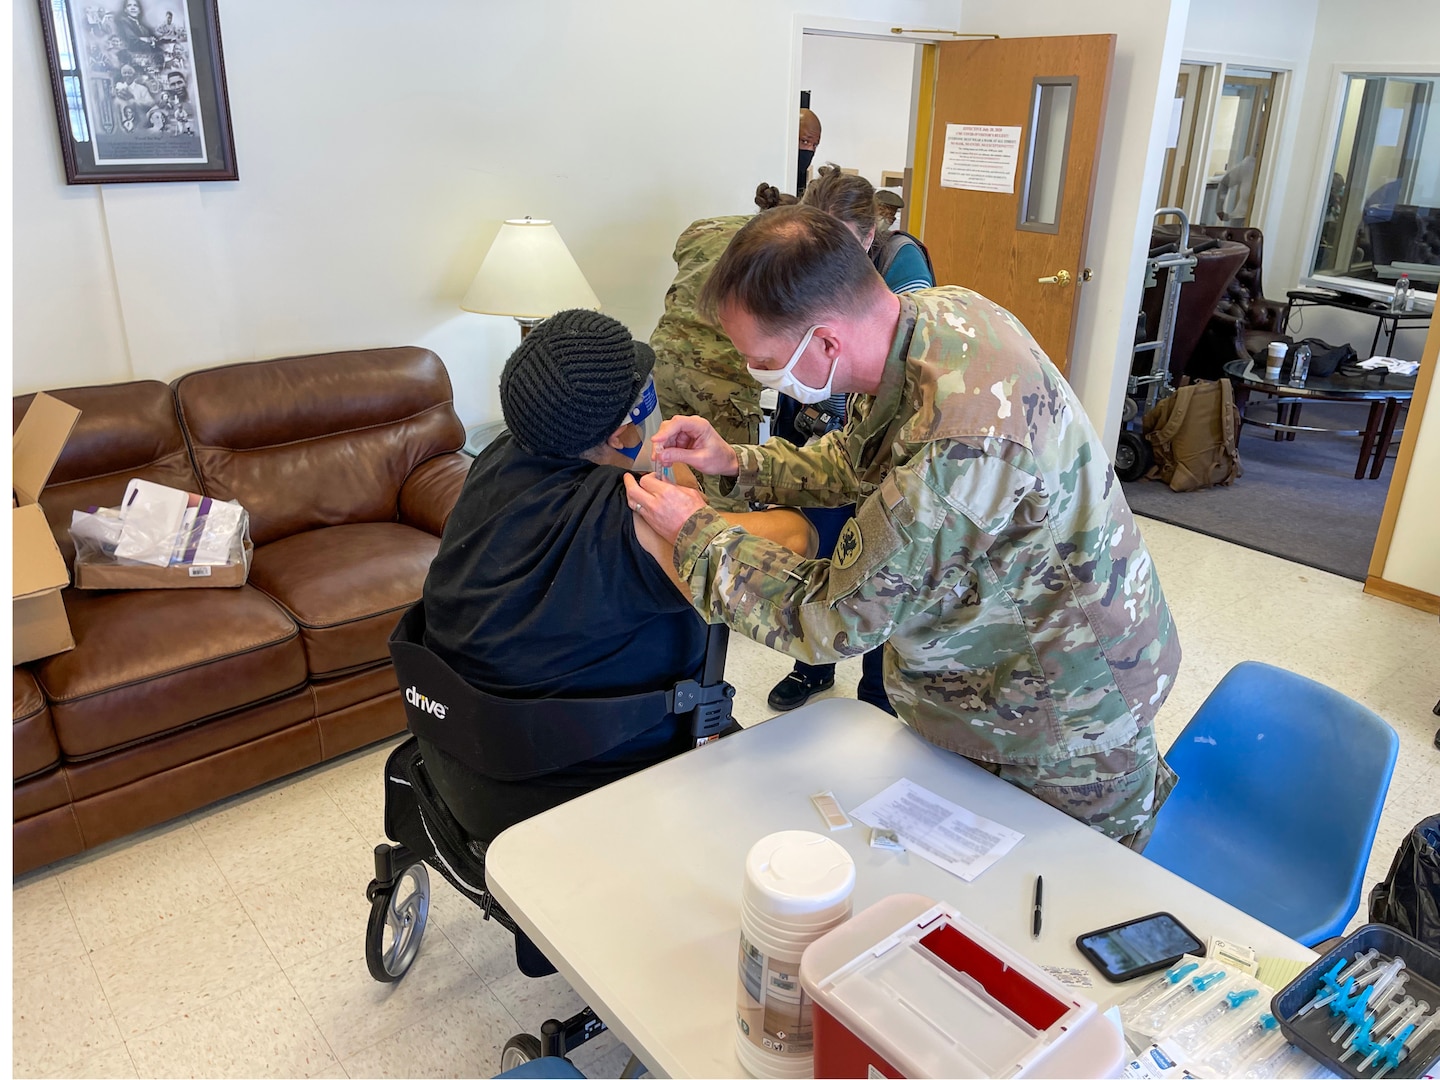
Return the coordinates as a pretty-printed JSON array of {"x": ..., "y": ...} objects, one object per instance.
[
  {"x": 992, "y": 549},
  {"x": 697, "y": 370}
]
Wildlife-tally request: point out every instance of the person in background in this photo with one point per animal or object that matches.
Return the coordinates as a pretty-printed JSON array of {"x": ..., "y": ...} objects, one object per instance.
[
  {"x": 809, "y": 143},
  {"x": 858, "y": 206},
  {"x": 992, "y": 554},
  {"x": 697, "y": 370},
  {"x": 901, "y": 258},
  {"x": 1232, "y": 194}
]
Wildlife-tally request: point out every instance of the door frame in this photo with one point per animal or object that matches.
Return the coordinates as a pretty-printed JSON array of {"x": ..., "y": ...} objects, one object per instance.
[{"x": 823, "y": 26}]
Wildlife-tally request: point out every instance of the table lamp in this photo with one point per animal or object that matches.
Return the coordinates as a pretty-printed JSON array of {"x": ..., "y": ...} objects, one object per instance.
[{"x": 528, "y": 274}]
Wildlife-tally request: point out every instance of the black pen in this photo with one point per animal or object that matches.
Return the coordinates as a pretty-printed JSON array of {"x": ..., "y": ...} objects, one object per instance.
[{"x": 1035, "y": 916}]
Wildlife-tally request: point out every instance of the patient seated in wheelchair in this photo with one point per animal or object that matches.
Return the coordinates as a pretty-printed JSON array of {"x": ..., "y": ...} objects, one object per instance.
[{"x": 542, "y": 587}]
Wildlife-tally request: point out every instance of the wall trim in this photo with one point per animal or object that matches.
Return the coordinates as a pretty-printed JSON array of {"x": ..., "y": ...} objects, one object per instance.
[
  {"x": 1401, "y": 475},
  {"x": 1403, "y": 594}
]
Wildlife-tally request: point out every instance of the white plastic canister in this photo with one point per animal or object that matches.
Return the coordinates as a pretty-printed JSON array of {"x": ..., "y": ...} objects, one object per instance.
[{"x": 797, "y": 887}]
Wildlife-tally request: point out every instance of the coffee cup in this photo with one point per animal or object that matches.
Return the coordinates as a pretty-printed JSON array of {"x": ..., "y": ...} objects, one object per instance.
[{"x": 1274, "y": 357}]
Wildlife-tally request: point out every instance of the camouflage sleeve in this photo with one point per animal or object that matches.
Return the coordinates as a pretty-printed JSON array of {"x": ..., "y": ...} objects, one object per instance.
[
  {"x": 921, "y": 535},
  {"x": 784, "y": 474}
]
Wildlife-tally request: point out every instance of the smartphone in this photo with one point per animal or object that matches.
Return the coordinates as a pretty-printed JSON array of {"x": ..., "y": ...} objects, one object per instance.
[{"x": 1130, "y": 949}]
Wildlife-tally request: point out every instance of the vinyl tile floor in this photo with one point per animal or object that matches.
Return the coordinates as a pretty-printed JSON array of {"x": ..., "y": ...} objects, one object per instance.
[{"x": 230, "y": 942}]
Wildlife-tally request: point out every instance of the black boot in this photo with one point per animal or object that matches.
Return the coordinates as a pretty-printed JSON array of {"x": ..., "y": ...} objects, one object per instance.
[{"x": 795, "y": 689}]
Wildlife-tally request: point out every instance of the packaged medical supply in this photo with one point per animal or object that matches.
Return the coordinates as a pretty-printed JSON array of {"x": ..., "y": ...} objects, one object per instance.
[{"x": 161, "y": 538}]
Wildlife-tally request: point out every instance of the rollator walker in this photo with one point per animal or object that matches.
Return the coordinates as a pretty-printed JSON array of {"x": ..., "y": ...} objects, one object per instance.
[{"x": 503, "y": 739}]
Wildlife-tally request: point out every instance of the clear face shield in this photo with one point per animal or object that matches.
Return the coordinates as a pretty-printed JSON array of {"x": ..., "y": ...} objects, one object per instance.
[{"x": 645, "y": 416}]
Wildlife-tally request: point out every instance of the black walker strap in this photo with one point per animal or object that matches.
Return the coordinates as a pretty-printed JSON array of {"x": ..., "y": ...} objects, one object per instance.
[{"x": 516, "y": 739}]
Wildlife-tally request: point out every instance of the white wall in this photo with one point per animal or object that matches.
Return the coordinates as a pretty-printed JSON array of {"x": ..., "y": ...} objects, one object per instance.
[
  {"x": 1142, "y": 84},
  {"x": 1278, "y": 35},
  {"x": 861, "y": 91},
  {"x": 379, "y": 148}
]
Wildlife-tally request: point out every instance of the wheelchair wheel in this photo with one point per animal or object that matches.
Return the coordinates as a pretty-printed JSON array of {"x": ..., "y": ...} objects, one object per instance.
[
  {"x": 397, "y": 923},
  {"x": 518, "y": 1051},
  {"x": 1132, "y": 456}
]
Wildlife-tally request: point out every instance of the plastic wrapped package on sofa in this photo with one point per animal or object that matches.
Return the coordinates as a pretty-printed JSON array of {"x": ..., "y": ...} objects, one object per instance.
[{"x": 161, "y": 538}]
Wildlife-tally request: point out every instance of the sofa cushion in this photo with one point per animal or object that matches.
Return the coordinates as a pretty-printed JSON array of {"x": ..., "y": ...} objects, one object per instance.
[
  {"x": 125, "y": 430},
  {"x": 32, "y": 736},
  {"x": 150, "y": 661},
  {"x": 346, "y": 586},
  {"x": 306, "y": 442}
]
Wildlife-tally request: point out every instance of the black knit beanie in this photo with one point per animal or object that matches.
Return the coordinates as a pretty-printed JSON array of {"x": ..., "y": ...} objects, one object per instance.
[{"x": 572, "y": 382}]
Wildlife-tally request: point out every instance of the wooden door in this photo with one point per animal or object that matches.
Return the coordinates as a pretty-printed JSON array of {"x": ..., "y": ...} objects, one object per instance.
[{"x": 1024, "y": 250}]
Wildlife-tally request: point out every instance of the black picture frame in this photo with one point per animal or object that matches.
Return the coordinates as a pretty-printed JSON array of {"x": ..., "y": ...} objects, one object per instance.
[{"x": 140, "y": 95}]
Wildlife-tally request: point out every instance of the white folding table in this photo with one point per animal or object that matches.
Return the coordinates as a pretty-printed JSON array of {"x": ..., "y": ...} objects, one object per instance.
[{"x": 633, "y": 891}]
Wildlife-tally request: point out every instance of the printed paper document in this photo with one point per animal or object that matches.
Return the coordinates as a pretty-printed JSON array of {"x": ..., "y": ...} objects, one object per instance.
[{"x": 949, "y": 836}]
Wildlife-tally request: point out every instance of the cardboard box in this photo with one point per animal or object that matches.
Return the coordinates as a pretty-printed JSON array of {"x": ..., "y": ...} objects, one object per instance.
[
  {"x": 38, "y": 617},
  {"x": 110, "y": 574}
]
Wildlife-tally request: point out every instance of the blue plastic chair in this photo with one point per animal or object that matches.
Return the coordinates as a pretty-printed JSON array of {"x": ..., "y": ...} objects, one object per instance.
[
  {"x": 542, "y": 1068},
  {"x": 1282, "y": 781}
]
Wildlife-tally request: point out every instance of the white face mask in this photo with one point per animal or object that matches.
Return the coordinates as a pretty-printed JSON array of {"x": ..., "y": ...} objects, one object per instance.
[{"x": 784, "y": 380}]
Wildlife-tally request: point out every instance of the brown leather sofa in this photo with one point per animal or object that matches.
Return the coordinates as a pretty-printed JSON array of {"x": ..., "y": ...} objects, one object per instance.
[{"x": 171, "y": 699}]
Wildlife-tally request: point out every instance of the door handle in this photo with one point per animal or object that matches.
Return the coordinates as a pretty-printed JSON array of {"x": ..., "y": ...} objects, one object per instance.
[{"x": 1061, "y": 278}]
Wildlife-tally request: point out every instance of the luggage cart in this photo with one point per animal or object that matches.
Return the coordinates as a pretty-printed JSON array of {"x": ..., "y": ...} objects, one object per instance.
[{"x": 1149, "y": 385}]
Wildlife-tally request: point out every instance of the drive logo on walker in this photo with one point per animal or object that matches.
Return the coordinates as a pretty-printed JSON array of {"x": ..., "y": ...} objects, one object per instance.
[{"x": 424, "y": 704}]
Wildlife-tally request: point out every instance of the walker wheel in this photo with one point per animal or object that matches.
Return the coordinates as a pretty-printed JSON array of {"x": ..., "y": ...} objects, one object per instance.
[
  {"x": 518, "y": 1051},
  {"x": 397, "y": 923},
  {"x": 1132, "y": 456}
]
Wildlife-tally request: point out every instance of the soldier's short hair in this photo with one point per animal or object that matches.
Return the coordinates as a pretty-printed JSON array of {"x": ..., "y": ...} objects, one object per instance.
[{"x": 789, "y": 268}]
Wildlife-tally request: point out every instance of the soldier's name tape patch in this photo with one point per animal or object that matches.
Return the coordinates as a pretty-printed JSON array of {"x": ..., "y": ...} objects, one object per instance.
[{"x": 849, "y": 546}]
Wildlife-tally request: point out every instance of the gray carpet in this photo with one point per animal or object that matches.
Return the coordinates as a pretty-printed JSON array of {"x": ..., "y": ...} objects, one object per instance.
[{"x": 1298, "y": 500}]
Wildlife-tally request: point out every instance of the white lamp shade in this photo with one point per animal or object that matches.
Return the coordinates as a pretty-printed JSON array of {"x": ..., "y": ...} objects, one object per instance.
[{"x": 528, "y": 273}]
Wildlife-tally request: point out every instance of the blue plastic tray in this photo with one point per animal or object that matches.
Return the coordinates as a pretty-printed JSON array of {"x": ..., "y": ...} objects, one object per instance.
[{"x": 1311, "y": 1032}]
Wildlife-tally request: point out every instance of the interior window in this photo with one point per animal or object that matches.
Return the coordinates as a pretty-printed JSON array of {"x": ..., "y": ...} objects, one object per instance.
[
  {"x": 1381, "y": 218},
  {"x": 1184, "y": 118},
  {"x": 1237, "y": 146}
]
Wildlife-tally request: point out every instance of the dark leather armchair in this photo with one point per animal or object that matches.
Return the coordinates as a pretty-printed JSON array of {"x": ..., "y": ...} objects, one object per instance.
[
  {"x": 1215, "y": 270},
  {"x": 1244, "y": 322}
]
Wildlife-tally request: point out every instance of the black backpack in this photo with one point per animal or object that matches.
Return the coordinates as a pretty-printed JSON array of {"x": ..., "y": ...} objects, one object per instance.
[
  {"x": 1409, "y": 897},
  {"x": 1325, "y": 359},
  {"x": 886, "y": 247}
]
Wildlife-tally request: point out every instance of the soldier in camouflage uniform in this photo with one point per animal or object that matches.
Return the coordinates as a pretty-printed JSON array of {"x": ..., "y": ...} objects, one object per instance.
[
  {"x": 993, "y": 552},
  {"x": 697, "y": 370}
]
